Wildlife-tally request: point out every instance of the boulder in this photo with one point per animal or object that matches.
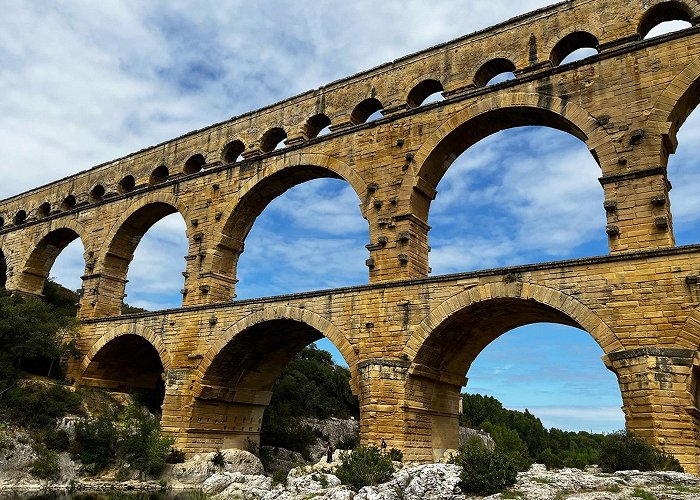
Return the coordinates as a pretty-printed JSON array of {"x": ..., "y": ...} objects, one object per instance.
[
  {"x": 201, "y": 467},
  {"x": 241, "y": 486},
  {"x": 422, "y": 482}
]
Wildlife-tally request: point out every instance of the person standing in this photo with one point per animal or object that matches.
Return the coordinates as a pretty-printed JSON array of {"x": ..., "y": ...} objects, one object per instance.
[{"x": 329, "y": 453}]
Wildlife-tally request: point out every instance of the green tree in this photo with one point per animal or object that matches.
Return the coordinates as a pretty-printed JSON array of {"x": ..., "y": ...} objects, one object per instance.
[{"x": 32, "y": 333}]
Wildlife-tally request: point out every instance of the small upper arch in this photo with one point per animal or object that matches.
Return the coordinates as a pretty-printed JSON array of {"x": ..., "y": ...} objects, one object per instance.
[
  {"x": 422, "y": 91},
  {"x": 232, "y": 151},
  {"x": 159, "y": 175},
  {"x": 97, "y": 193},
  {"x": 315, "y": 125},
  {"x": 194, "y": 164},
  {"x": 491, "y": 69},
  {"x": 271, "y": 139},
  {"x": 364, "y": 110},
  {"x": 673, "y": 10},
  {"x": 571, "y": 43}
]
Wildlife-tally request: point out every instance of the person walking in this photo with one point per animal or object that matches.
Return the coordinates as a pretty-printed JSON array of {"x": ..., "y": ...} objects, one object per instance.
[{"x": 329, "y": 453}]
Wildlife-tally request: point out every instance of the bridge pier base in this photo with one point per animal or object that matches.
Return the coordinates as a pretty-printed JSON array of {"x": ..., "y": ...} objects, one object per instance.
[
  {"x": 658, "y": 402},
  {"x": 413, "y": 410}
]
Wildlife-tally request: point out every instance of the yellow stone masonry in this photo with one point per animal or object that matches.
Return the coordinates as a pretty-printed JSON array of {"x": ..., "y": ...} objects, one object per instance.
[{"x": 409, "y": 339}]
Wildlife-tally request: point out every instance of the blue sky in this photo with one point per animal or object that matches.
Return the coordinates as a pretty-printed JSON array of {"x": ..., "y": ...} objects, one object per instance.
[{"x": 85, "y": 82}]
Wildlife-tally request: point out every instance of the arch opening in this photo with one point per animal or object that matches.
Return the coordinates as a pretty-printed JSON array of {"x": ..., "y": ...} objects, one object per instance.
[
  {"x": 508, "y": 200},
  {"x": 273, "y": 139},
  {"x": 494, "y": 71},
  {"x": 316, "y": 125},
  {"x": 44, "y": 210},
  {"x": 154, "y": 252},
  {"x": 69, "y": 203},
  {"x": 367, "y": 110},
  {"x": 194, "y": 164},
  {"x": 425, "y": 92},
  {"x": 514, "y": 326},
  {"x": 20, "y": 217},
  {"x": 253, "y": 396},
  {"x": 59, "y": 252},
  {"x": 232, "y": 152},
  {"x": 306, "y": 234},
  {"x": 665, "y": 18},
  {"x": 159, "y": 175},
  {"x": 97, "y": 193},
  {"x": 3, "y": 270},
  {"x": 574, "y": 47},
  {"x": 684, "y": 167},
  {"x": 127, "y": 184},
  {"x": 128, "y": 363}
]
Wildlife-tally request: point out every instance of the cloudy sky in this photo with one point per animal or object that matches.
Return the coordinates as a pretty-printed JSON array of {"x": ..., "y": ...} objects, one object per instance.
[{"x": 83, "y": 82}]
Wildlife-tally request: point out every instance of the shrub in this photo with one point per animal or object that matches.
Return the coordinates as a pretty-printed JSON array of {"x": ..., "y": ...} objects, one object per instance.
[
  {"x": 484, "y": 472},
  {"x": 176, "y": 456},
  {"x": 395, "y": 455},
  {"x": 46, "y": 465},
  {"x": 625, "y": 451},
  {"x": 96, "y": 443},
  {"x": 140, "y": 441},
  {"x": 218, "y": 459},
  {"x": 53, "y": 439},
  {"x": 364, "y": 466}
]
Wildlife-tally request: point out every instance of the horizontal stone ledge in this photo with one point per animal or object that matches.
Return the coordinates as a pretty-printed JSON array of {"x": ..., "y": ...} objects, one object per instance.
[
  {"x": 635, "y": 174},
  {"x": 682, "y": 355},
  {"x": 394, "y": 363}
]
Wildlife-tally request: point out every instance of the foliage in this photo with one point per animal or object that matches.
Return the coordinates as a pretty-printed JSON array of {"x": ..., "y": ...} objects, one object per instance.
[
  {"x": 364, "y": 466},
  {"x": 140, "y": 442},
  {"x": 175, "y": 456},
  {"x": 395, "y": 455},
  {"x": 96, "y": 443},
  {"x": 37, "y": 406},
  {"x": 484, "y": 472},
  {"x": 643, "y": 494},
  {"x": 218, "y": 458},
  {"x": 311, "y": 385},
  {"x": 523, "y": 436},
  {"x": 625, "y": 451},
  {"x": 32, "y": 333},
  {"x": 135, "y": 438},
  {"x": 46, "y": 465}
]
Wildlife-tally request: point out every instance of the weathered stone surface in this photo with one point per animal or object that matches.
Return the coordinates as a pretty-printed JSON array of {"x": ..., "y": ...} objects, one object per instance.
[
  {"x": 424, "y": 482},
  {"x": 200, "y": 467},
  {"x": 407, "y": 338}
]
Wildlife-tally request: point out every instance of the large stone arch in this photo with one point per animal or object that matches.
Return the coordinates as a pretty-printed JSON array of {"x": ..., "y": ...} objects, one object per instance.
[
  {"x": 569, "y": 306},
  {"x": 323, "y": 325},
  {"x": 515, "y": 109},
  {"x": 117, "y": 250},
  {"x": 233, "y": 383},
  {"x": 109, "y": 376},
  {"x": 442, "y": 347},
  {"x": 673, "y": 106},
  {"x": 33, "y": 268},
  {"x": 270, "y": 181}
]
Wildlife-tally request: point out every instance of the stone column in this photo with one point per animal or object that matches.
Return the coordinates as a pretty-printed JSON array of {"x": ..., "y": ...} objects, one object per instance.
[
  {"x": 657, "y": 401},
  {"x": 415, "y": 409},
  {"x": 638, "y": 210}
]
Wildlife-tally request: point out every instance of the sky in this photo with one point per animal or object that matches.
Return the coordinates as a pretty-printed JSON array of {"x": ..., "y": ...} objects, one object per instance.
[{"x": 85, "y": 82}]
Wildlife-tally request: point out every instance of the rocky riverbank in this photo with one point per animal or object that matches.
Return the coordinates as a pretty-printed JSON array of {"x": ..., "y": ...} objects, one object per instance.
[{"x": 241, "y": 476}]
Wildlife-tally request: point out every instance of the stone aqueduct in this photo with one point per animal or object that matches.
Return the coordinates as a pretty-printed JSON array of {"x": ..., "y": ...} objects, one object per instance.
[{"x": 408, "y": 338}]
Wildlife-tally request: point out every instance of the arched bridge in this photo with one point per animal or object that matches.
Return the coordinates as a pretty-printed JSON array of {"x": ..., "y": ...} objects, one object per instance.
[{"x": 408, "y": 338}]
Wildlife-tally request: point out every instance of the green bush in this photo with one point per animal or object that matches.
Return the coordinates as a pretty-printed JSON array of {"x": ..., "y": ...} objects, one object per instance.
[
  {"x": 364, "y": 466},
  {"x": 96, "y": 443},
  {"x": 140, "y": 441},
  {"x": 53, "y": 439},
  {"x": 218, "y": 458},
  {"x": 46, "y": 465},
  {"x": 39, "y": 407},
  {"x": 625, "y": 451},
  {"x": 175, "y": 456},
  {"x": 395, "y": 455},
  {"x": 484, "y": 472}
]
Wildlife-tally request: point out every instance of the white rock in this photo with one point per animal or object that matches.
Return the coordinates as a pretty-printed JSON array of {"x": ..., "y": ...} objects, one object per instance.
[
  {"x": 245, "y": 486},
  {"x": 423, "y": 482},
  {"x": 313, "y": 482},
  {"x": 200, "y": 467}
]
